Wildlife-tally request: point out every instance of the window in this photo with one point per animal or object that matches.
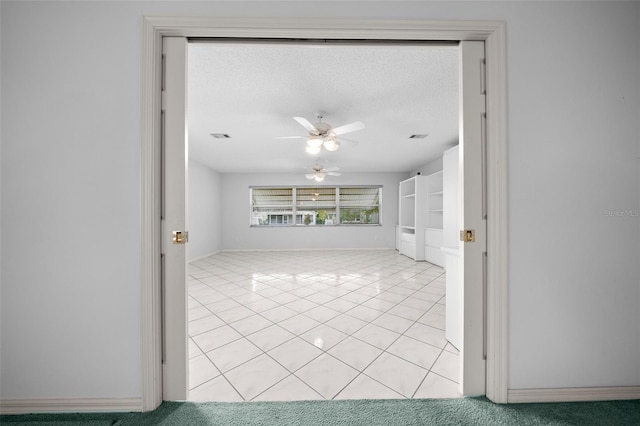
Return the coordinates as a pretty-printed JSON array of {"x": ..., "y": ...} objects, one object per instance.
[
  {"x": 271, "y": 206},
  {"x": 360, "y": 205},
  {"x": 315, "y": 206}
]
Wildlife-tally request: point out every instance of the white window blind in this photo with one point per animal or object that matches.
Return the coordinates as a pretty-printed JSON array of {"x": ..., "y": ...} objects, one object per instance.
[{"x": 315, "y": 205}]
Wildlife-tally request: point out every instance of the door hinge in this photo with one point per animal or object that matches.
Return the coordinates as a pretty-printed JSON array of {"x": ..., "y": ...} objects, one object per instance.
[
  {"x": 483, "y": 76},
  {"x": 163, "y": 83}
]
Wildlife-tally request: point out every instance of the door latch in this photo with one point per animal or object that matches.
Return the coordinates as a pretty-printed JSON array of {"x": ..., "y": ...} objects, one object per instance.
[
  {"x": 468, "y": 235},
  {"x": 180, "y": 237}
]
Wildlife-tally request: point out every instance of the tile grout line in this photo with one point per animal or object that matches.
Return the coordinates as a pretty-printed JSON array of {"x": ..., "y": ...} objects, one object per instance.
[
  {"x": 428, "y": 371},
  {"x": 339, "y": 284}
]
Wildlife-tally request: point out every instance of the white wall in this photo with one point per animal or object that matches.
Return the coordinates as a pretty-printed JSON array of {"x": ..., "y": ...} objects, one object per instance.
[
  {"x": 71, "y": 178},
  {"x": 237, "y": 234},
  {"x": 219, "y": 214},
  {"x": 205, "y": 212},
  {"x": 574, "y": 140},
  {"x": 430, "y": 167},
  {"x": 70, "y": 198}
]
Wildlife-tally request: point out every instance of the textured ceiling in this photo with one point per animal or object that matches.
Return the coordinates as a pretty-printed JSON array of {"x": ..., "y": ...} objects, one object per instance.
[{"x": 252, "y": 93}]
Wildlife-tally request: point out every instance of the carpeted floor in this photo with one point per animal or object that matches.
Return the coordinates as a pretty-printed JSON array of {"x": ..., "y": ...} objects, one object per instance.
[{"x": 463, "y": 411}]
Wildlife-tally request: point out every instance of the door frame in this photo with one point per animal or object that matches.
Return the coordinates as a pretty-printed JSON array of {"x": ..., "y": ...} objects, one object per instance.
[{"x": 491, "y": 32}]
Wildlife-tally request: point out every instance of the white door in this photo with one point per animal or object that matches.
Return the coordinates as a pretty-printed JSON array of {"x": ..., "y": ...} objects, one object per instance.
[
  {"x": 471, "y": 269},
  {"x": 451, "y": 244},
  {"x": 471, "y": 217},
  {"x": 174, "y": 219}
]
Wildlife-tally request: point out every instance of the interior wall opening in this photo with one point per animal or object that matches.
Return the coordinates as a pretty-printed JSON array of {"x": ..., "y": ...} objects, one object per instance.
[{"x": 255, "y": 324}]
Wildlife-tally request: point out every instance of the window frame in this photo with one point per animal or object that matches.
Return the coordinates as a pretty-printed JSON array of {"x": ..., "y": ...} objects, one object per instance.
[{"x": 294, "y": 205}]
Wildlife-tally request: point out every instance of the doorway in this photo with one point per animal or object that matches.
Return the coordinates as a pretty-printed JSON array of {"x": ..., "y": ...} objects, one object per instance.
[
  {"x": 248, "y": 92},
  {"x": 157, "y": 29}
]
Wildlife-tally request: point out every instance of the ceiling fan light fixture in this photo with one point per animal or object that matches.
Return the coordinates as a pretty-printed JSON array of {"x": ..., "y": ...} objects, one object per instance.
[
  {"x": 314, "y": 141},
  {"x": 319, "y": 177},
  {"x": 331, "y": 144},
  {"x": 313, "y": 150}
]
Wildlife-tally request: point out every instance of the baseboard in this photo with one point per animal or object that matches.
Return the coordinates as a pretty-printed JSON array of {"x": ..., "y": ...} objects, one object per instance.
[
  {"x": 310, "y": 249},
  {"x": 304, "y": 249},
  {"x": 573, "y": 394},
  {"x": 70, "y": 405},
  {"x": 204, "y": 256}
]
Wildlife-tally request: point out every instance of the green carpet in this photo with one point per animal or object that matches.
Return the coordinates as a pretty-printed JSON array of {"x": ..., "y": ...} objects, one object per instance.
[{"x": 423, "y": 412}]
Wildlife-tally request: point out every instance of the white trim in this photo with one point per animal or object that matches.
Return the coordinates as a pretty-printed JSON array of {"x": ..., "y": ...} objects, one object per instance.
[
  {"x": 497, "y": 220},
  {"x": 574, "y": 394},
  {"x": 69, "y": 405},
  {"x": 492, "y": 32},
  {"x": 311, "y": 249},
  {"x": 330, "y": 28},
  {"x": 151, "y": 322},
  {"x": 204, "y": 256}
]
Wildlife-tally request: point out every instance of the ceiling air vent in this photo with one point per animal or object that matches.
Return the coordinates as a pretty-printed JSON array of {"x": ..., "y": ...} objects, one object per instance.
[
  {"x": 220, "y": 135},
  {"x": 418, "y": 136}
]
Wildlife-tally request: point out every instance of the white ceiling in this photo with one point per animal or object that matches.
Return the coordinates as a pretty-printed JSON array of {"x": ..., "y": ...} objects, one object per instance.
[{"x": 252, "y": 92}]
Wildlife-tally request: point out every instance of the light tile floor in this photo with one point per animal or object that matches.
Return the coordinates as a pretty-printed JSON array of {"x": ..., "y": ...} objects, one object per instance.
[{"x": 339, "y": 324}]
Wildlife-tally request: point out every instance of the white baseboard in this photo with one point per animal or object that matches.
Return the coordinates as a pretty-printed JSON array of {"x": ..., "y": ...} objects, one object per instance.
[
  {"x": 70, "y": 405},
  {"x": 204, "y": 256},
  {"x": 311, "y": 249},
  {"x": 573, "y": 394}
]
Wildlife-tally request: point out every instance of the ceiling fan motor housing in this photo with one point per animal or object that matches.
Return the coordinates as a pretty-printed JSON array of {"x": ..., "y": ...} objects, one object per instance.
[{"x": 323, "y": 128}]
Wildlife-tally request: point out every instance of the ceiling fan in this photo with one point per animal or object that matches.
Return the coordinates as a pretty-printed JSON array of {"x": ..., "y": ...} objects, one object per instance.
[
  {"x": 323, "y": 134},
  {"x": 320, "y": 172}
]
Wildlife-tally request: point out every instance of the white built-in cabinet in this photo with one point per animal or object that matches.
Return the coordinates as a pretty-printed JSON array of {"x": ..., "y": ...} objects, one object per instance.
[
  {"x": 419, "y": 234},
  {"x": 428, "y": 214},
  {"x": 428, "y": 230},
  {"x": 435, "y": 217},
  {"x": 412, "y": 217}
]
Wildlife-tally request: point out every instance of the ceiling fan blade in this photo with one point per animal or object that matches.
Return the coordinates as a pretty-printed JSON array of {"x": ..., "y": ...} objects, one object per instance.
[
  {"x": 306, "y": 124},
  {"x": 356, "y": 125},
  {"x": 331, "y": 169},
  {"x": 333, "y": 174},
  {"x": 349, "y": 142},
  {"x": 310, "y": 175}
]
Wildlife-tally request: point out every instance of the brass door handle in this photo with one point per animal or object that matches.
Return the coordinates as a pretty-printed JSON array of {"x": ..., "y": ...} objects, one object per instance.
[
  {"x": 180, "y": 237},
  {"x": 468, "y": 235}
]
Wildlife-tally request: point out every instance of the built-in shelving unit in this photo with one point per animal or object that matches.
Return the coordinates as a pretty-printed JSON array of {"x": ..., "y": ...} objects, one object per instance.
[
  {"x": 434, "y": 219},
  {"x": 412, "y": 217}
]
